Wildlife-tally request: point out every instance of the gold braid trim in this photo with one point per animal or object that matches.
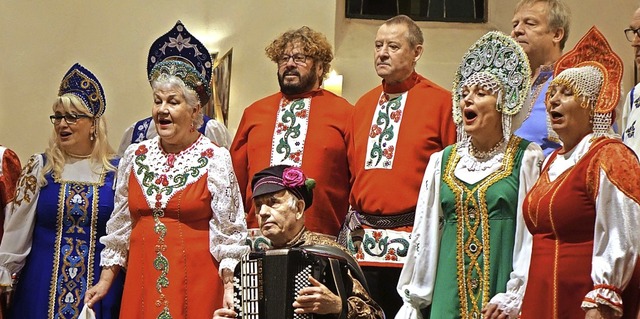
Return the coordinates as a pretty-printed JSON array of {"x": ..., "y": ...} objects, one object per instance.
[{"x": 466, "y": 209}]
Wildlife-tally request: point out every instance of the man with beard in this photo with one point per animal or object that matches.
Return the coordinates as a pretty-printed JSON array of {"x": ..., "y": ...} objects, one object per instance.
[
  {"x": 303, "y": 126},
  {"x": 396, "y": 127}
]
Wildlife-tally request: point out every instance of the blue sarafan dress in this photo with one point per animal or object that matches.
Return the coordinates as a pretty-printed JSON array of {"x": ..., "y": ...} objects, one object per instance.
[{"x": 52, "y": 240}]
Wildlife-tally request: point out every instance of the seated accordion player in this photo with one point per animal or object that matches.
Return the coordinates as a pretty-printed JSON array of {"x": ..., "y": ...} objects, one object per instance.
[{"x": 267, "y": 283}]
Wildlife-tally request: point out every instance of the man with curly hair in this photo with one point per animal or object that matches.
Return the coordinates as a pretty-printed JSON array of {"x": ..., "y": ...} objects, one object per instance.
[{"x": 303, "y": 126}]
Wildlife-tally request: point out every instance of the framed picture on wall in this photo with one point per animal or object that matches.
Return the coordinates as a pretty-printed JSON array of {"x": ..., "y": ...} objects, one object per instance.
[{"x": 221, "y": 84}]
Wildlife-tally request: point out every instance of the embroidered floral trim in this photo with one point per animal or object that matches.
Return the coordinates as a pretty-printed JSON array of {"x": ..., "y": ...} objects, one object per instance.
[
  {"x": 162, "y": 175},
  {"x": 27, "y": 183},
  {"x": 383, "y": 136},
  {"x": 161, "y": 263},
  {"x": 292, "y": 122},
  {"x": 381, "y": 246}
]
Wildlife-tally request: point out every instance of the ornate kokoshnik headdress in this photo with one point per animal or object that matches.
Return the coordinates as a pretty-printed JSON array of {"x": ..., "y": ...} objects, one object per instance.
[
  {"x": 498, "y": 64},
  {"x": 84, "y": 85},
  {"x": 180, "y": 54},
  {"x": 594, "y": 72}
]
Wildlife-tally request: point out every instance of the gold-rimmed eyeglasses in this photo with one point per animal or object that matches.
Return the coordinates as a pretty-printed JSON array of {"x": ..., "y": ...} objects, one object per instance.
[
  {"x": 631, "y": 33},
  {"x": 298, "y": 59},
  {"x": 70, "y": 118}
]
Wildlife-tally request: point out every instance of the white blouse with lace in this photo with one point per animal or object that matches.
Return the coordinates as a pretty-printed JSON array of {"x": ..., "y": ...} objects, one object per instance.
[
  {"x": 417, "y": 280},
  {"x": 174, "y": 172}
]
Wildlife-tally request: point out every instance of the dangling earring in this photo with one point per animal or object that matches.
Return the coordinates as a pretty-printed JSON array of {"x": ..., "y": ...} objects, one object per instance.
[
  {"x": 192, "y": 129},
  {"x": 92, "y": 136}
]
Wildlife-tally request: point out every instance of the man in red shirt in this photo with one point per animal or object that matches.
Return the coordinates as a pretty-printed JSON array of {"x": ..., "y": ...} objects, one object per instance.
[
  {"x": 303, "y": 126},
  {"x": 395, "y": 129}
]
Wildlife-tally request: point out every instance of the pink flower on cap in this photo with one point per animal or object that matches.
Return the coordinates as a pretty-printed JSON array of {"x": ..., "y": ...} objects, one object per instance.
[{"x": 293, "y": 177}]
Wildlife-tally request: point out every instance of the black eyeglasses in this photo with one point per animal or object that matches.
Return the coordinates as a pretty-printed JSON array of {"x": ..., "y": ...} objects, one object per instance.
[
  {"x": 70, "y": 118},
  {"x": 297, "y": 59},
  {"x": 631, "y": 33}
]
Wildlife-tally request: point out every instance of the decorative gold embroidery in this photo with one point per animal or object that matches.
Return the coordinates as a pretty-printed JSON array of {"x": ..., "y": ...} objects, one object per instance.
[
  {"x": 74, "y": 249},
  {"x": 539, "y": 191},
  {"x": 27, "y": 183},
  {"x": 472, "y": 213}
]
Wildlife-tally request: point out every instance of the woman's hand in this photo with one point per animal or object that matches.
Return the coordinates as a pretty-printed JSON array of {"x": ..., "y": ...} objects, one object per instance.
[
  {"x": 96, "y": 293},
  {"x": 317, "y": 299},
  {"x": 491, "y": 311},
  {"x": 602, "y": 312},
  {"x": 99, "y": 290},
  {"x": 227, "y": 279}
]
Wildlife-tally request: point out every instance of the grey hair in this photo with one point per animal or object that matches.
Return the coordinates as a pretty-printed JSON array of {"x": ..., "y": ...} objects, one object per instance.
[
  {"x": 166, "y": 81},
  {"x": 558, "y": 16},
  {"x": 414, "y": 34}
]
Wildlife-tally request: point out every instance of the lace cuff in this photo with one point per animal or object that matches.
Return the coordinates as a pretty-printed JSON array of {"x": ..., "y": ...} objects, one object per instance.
[
  {"x": 228, "y": 263},
  {"x": 604, "y": 295},
  {"x": 408, "y": 311},
  {"x": 509, "y": 303},
  {"x": 110, "y": 257},
  {"x": 5, "y": 277}
]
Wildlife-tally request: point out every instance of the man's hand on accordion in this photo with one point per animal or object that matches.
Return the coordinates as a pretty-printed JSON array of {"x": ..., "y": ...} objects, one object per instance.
[{"x": 317, "y": 299}]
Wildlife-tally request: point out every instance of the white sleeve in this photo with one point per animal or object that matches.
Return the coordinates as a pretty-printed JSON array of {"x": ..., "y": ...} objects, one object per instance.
[
  {"x": 126, "y": 140},
  {"x": 218, "y": 133},
  {"x": 510, "y": 301},
  {"x": 116, "y": 240},
  {"x": 623, "y": 115},
  {"x": 417, "y": 279},
  {"x": 227, "y": 227},
  {"x": 615, "y": 245},
  {"x": 18, "y": 231}
]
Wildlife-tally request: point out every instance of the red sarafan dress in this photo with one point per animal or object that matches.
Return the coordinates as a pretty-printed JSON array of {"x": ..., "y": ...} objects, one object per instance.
[
  {"x": 583, "y": 213},
  {"x": 178, "y": 220}
]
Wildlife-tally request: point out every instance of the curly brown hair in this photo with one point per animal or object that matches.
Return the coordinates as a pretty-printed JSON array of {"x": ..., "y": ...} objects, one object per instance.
[{"x": 314, "y": 45}]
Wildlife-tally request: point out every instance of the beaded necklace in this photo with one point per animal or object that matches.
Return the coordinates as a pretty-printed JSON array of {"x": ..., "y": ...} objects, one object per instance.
[
  {"x": 78, "y": 156},
  {"x": 473, "y": 151}
]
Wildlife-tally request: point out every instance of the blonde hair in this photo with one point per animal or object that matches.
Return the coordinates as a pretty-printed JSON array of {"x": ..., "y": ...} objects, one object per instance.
[{"x": 102, "y": 151}]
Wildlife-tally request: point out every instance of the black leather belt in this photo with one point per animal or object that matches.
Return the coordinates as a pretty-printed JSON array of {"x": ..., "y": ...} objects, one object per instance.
[{"x": 387, "y": 221}]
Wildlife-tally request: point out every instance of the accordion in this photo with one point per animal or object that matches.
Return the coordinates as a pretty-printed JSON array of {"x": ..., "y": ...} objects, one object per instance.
[{"x": 267, "y": 283}]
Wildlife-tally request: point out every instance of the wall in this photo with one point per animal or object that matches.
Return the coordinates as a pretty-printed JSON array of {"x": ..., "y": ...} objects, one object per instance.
[
  {"x": 42, "y": 39},
  {"x": 446, "y": 43}
]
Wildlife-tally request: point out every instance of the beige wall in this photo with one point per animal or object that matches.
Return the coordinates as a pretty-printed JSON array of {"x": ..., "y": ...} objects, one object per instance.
[{"x": 42, "y": 39}]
